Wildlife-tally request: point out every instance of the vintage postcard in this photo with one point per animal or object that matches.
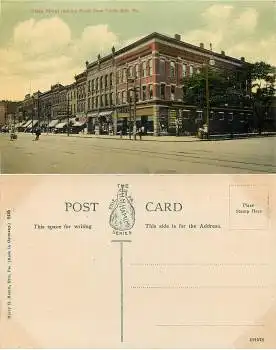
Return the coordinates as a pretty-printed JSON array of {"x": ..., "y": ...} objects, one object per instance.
[
  {"x": 141, "y": 87},
  {"x": 123, "y": 261}
]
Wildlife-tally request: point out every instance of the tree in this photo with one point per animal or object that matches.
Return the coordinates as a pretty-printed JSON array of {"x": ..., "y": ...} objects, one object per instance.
[
  {"x": 263, "y": 89},
  {"x": 225, "y": 88}
]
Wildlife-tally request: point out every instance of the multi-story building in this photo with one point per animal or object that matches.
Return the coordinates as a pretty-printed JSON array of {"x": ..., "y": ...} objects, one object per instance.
[
  {"x": 9, "y": 112},
  {"x": 59, "y": 101},
  {"x": 81, "y": 86},
  {"x": 3, "y": 113},
  {"x": 153, "y": 69},
  {"x": 45, "y": 108},
  {"x": 27, "y": 107},
  {"x": 72, "y": 98}
]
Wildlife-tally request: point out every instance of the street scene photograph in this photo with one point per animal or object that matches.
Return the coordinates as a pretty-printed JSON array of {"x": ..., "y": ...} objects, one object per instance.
[{"x": 137, "y": 87}]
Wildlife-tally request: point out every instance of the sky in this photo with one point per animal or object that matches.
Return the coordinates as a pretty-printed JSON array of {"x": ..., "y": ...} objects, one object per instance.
[{"x": 42, "y": 43}]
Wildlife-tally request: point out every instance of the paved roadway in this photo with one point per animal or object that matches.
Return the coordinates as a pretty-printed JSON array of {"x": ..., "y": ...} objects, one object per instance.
[{"x": 74, "y": 154}]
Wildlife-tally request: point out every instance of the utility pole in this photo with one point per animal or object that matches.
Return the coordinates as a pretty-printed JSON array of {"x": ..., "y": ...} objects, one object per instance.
[
  {"x": 68, "y": 119},
  {"x": 134, "y": 109},
  {"x": 129, "y": 129},
  {"x": 38, "y": 114},
  {"x": 211, "y": 62},
  {"x": 207, "y": 98},
  {"x": 33, "y": 114}
]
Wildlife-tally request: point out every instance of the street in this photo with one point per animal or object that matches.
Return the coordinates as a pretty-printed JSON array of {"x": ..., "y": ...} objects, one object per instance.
[{"x": 91, "y": 155}]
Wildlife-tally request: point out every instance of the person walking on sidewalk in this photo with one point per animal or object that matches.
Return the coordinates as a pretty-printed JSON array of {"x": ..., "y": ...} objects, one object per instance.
[{"x": 37, "y": 134}]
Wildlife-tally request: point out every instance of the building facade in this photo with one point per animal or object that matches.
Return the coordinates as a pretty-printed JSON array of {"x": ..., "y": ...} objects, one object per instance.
[
  {"x": 59, "y": 107},
  {"x": 153, "y": 69}
]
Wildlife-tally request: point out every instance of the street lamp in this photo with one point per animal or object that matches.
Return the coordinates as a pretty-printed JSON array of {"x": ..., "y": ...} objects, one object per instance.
[{"x": 211, "y": 63}]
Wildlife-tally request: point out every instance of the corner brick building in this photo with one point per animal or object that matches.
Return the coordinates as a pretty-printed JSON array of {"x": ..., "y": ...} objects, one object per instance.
[{"x": 156, "y": 64}]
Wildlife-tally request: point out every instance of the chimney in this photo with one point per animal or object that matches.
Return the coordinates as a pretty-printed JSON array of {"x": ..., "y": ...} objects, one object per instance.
[
  {"x": 201, "y": 45},
  {"x": 223, "y": 53},
  {"x": 177, "y": 37},
  {"x": 243, "y": 59}
]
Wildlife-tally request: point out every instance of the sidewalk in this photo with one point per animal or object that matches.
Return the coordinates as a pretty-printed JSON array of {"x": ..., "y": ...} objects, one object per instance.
[
  {"x": 126, "y": 137},
  {"x": 168, "y": 138}
]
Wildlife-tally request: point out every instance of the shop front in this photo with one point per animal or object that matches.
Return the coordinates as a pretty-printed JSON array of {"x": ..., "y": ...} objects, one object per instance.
[
  {"x": 145, "y": 119},
  {"x": 100, "y": 123}
]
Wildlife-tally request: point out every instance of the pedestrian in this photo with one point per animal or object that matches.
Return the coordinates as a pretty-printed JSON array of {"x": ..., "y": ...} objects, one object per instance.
[
  {"x": 140, "y": 133},
  {"x": 37, "y": 134},
  {"x": 13, "y": 136}
]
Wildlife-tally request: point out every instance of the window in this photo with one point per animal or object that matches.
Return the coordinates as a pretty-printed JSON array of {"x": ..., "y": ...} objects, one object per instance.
[
  {"x": 92, "y": 85},
  {"x": 129, "y": 72},
  {"x": 199, "y": 115},
  {"x": 124, "y": 96},
  {"x": 136, "y": 70},
  {"x": 172, "y": 69},
  {"x": 150, "y": 92},
  {"x": 111, "y": 97},
  {"x": 150, "y": 67},
  {"x": 105, "y": 82},
  {"x": 221, "y": 115},
  {"x": 191, "y": 70},
  {"x": 89, "y": 84},
  {"x": 144, "y": 93},
  {"x": 144, "y": 69},
  {"x": 184, "y": 70},
  {"x": 97, "y": 84},
  {"x": 106, "y": 100},
  {"x": 89, "y": 101},
  {"x": 101, "y": 83},
  {"x": 163, "y": 91},
  {"x": 137, "y": 96},
  {"x": 101, "y": 101},
  {"x": 172, "y": 92},
  {"x": 125, "y": 75},
  {"x": 93, "y": 102},
  {"x": 211, "y": 116},
  {"x": 162, "y": 67},
  {"x": 110, "y": 79}
]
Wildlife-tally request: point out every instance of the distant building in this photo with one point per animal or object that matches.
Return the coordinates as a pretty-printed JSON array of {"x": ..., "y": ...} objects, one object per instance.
[
  {"x": 3, "y": 112},
  {"x": 9, "y": 112}
]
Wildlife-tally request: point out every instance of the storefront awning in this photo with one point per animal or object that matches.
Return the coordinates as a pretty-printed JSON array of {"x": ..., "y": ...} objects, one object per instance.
[
  {"x": 92, "y": 115},
  {"x": 105, "y": 114},
  {"x": 60, "y": 125},
  {"x": 32, "y": 123},
  {"x": 53, "y": 123},
  {"x": 80, "y": 123},
  {"x": 26, "y": 123}
]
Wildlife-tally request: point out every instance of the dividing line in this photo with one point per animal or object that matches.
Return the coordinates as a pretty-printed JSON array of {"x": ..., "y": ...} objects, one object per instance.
[
  {"x": 210, "y": 325},
  {"x": 121, "y": 241},
  {"x": 122, "y": 290}
]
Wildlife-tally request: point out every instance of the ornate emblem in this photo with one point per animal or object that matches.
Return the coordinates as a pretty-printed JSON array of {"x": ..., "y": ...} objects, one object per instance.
[{"x": 122, "y": 217}]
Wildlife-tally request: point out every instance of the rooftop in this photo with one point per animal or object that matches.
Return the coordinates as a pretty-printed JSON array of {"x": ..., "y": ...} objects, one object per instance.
[{"x": 174, "y": 40}]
